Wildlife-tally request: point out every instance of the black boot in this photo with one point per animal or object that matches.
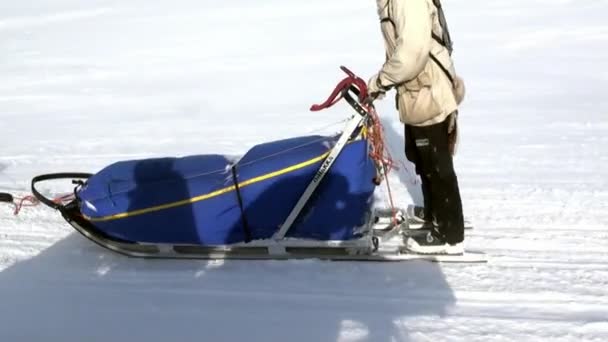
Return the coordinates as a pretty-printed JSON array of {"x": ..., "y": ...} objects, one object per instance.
[{"x": 433, "y": 243}]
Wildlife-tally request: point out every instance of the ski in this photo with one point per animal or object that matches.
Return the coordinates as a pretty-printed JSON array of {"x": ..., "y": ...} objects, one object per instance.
[
  {"x": 469, "y": 257},
  {"x": 388, "y": 246}
]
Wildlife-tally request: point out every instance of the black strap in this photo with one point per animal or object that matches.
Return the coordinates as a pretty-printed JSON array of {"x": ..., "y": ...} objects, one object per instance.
[
  {"x": 438, "y": 39},
  {"x": 445, "y": 70},
  {"x": 51, "y": 176},
  {"x": 387, "y": 20},
  {"x": 246, "y": 229},
  {"x": 6, "y": 197},
  {"x": 446, "y": 40}
]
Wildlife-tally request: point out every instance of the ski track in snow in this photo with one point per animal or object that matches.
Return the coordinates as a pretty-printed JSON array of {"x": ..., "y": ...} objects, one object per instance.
[{"x": 86, "y": 84}]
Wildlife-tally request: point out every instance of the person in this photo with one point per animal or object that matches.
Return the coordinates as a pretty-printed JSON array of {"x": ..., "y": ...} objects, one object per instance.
[{"x": 419, "y": 66}]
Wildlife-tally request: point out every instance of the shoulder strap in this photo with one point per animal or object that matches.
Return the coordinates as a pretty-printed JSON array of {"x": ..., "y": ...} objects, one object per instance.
[
  {"x": 443, "y": 68},
  {"x": 445, "y": 40}
]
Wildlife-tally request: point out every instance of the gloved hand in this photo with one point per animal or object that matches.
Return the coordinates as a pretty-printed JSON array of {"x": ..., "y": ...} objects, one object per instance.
[
  {"x": 369, "y": 100},
  {"x": 375, "y": 91}
]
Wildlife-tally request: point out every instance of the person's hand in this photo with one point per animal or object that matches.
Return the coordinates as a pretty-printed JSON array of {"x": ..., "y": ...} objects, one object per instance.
[
  {"x": 375, "y": 90},
  {"x": 459, "y": 89},
  {"x": 369, "y": 100},
  {"x": 453, "y": 133}
]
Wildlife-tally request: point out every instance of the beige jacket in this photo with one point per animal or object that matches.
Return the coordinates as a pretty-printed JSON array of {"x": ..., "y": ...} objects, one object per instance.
[{"x": 425, "y": 94}]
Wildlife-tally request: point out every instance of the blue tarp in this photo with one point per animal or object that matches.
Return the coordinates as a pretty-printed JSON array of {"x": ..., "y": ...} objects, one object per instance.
[{"x": 194, "y": 200}]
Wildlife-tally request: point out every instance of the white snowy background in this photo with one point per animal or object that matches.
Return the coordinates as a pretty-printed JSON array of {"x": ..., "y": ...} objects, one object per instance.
[{"x": 87, "y": 83}]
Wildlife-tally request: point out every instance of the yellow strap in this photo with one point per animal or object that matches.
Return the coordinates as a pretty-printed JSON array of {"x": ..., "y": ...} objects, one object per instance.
[{"x": 209, "y": 195}]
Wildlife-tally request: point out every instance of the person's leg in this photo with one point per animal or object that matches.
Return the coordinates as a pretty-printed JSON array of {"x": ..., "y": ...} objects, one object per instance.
[
  {"x": 412, "y": 154},
  {"x": 427, "y": 196},
  {"x": 435, "y": 162}
]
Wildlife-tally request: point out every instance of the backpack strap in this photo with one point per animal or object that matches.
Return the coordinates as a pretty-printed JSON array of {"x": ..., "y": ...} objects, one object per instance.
[
  {"x": 444, "y": 69},
  {"x": 446, "y": 40}
]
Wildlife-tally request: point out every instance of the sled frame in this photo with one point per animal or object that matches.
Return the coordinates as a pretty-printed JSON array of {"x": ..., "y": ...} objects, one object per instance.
[{"x": 378, "y": 243}]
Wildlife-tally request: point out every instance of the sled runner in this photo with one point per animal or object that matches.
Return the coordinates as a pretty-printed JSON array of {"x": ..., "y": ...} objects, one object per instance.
[{"x": 304, "y": 197}]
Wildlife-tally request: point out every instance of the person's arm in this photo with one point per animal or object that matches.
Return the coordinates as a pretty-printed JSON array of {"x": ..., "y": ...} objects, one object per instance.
[{"x": 413, "y": 24}]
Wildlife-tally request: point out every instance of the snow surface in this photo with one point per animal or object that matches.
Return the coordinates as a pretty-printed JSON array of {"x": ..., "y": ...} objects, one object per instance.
[{"x": 87, "y": 83}]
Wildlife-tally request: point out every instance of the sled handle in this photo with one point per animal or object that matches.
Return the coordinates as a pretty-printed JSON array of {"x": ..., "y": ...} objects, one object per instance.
[
  {"x": 353, "y": 102},
  {"x": 352, "y": 83},
  {"x": 66, "y": 175}
]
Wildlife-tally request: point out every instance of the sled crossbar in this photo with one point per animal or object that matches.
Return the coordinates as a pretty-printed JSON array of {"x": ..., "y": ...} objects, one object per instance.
[{"x": 351, "y": 127}]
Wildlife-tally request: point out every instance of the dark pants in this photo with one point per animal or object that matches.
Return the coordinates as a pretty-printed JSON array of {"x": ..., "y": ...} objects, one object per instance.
[{"x": 427, "y": 147}]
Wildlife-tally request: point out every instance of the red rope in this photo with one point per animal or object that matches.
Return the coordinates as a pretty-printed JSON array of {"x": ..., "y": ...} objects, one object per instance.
[
  {"x": 20, "y": 202},
  {"x": 31, "y": 201},
  {"x": 380, "y": 153}
]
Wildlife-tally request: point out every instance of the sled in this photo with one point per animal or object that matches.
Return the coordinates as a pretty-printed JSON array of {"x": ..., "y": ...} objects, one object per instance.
[{"x": 300, "y": 198}]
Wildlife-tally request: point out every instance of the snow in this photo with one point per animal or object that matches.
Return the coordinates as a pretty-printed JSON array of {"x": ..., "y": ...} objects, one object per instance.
[{"x": 88, "y": 83}]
